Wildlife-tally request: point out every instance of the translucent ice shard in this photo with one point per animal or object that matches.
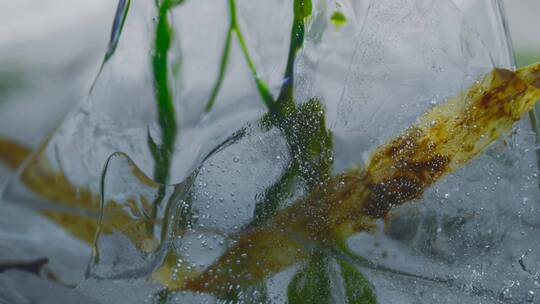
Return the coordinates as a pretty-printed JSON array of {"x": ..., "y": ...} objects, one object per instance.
[
  {"x": 418, "y": 46},
  {"x": 444, "y": 139},
  {"x": 275, "y": 205},
  {"x": 20, "y": 288},
  {"x": 128, "y": 236}
]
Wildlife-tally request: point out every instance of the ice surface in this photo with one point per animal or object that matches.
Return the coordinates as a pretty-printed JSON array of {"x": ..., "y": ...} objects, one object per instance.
[
  {"x": 46, "y": 65},
  {"x": 17, "y": 287},
  {"x": 470, "y": 239},
  {"x": 27, "y": 237}
]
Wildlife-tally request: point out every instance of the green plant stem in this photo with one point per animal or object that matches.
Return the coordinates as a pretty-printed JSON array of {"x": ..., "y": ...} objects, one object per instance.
[
  {"x": 262, "y": 87},
  {"x": 222, "y": 69},
  {"x": 264, "y": 91},
  {"x": 162, "y": 152},
  {"x": 304, "y": 128},
  {"x": 534, "y": 125},
  {"x": 166, "y": 112},
  {"x": 302, "y": 10}
]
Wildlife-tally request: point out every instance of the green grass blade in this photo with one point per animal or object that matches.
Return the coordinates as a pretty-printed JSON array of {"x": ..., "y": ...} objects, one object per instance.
[
  {"x": 162, "y": 152},
  {"x": 274, "y": 195},
  {"x": 302, "y": 11},
  {"x": 262, "y": 87},
  {"x": 358, "y": 289},
  {"x": 117, "y": 28},
  {"x": 311, "y": 285},
  {"x": 166, "y": 112},
  {"x": 222, "y": 69}
]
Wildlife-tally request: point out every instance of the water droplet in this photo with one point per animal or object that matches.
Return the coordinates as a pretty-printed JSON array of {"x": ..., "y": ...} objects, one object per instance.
[{"x": 530, "y": 296}]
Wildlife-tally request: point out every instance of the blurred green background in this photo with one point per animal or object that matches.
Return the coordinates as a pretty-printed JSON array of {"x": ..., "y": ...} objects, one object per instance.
[{"x": 524, "y": 22}]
